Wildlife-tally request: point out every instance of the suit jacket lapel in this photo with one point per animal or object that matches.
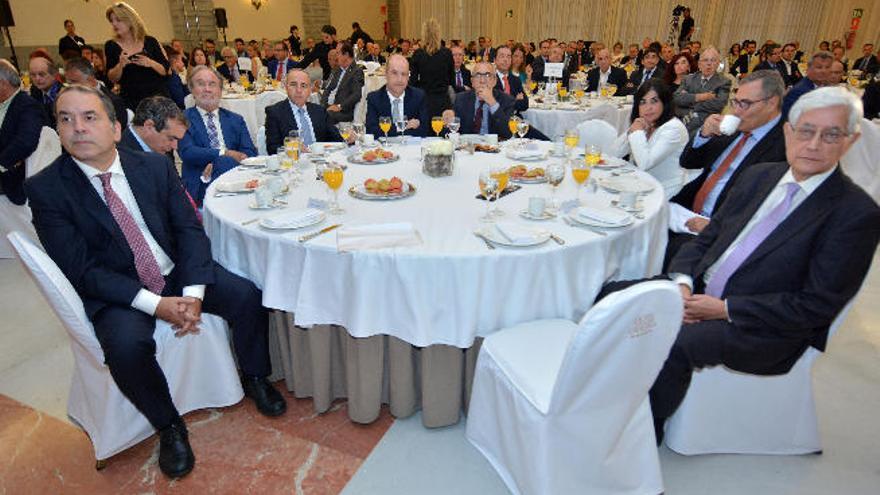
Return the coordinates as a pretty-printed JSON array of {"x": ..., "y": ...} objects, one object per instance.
[
  {"x": 229, "y": 139},
  {"x": 468, "y": 111},
  {"x": 197, "y": 124},
  {"x": 91, "y": 202},
  {"x": 144, "y": 194}
]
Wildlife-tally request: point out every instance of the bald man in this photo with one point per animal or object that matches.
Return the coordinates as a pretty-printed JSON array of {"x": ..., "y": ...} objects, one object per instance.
[
  {"x": 296, "y": 113},
  {"x": 604, "y": 73},
  {"x": 399, "y": 101}
]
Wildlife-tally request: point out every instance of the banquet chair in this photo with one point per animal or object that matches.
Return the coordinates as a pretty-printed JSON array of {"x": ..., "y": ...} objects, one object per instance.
[
  {"x": 860, "y": 162},
  {"x": 18, "y": 217},
  {"x": 597, "y": 132},
  {"x": 199, "y": 367},
  {"x": 360, "y": 108},
  {"x": 264, "y": 100},
  {"x": 189, "y": 101},
  {"x": 558, "y": 407},
  {"x": 728, "y": 412},
  {"x": 130, "y": 114},
  {"x": 261, "y": 141}
]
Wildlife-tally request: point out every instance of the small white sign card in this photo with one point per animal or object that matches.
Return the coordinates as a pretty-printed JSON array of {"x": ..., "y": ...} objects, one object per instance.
[
  {"x": 553, "y": 70},
  {"x": 245, "y": 63}
]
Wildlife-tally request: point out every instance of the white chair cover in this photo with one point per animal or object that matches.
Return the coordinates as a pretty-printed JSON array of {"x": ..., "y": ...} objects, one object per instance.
[
  {"x": 561, "y": 408},
  {"x": 199, "y": 368},
  {"x": 728, "y": 412},
  {"x": 130, "y": 114},
  {"x": 48, "y": 149},
  {"x": 597, "y": 132},
  {"x": 265, "y": 99},
  {"x": 261, "y": 141},
  {"x": 860, "y": 162},
  {"x": 360, "y": 109},
  {"x": 18, "y": 217},
  {"x": 189, "y": 101}
]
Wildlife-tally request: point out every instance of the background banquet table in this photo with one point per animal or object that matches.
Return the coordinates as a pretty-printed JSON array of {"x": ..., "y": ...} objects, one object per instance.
[
  {"x": 402, "y": 325},
  {"x": 555, "y": 122}
]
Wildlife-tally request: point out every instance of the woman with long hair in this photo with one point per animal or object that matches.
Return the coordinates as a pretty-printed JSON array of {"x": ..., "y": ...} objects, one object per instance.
[
  {"x": 135, "y": 60},
  {"x": 518, "y": 62},
  {"x": 100, "y": 65},
  {"x": 656, "y": 137},
  {"x": 678, "y": 68},
  {"x": 197, "y": 57},
  {"x": 431, "y": 69}
]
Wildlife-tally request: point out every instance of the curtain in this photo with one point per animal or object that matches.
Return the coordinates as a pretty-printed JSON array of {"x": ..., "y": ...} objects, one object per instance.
[{"x": 718, "y": 22}]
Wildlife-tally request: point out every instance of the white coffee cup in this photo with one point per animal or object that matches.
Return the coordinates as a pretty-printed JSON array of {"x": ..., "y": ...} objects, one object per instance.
[
  {"x": 273, "y": 163},
  {"x": 491, "y": 139},
  {"x": 729, "y": 124},
  {"x": 627, "y": 199},
  {"x": 369, "y": 139},
  {"x": 537, "y": 206},
  {"x": 263, "y": 196}
]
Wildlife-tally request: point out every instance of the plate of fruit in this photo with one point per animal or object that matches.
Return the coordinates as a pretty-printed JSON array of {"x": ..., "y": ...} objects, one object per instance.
[
  {"x": 374, "y": 156},
  {"x": 383, "y": 189},
  {"x": 525, "y": 175}
]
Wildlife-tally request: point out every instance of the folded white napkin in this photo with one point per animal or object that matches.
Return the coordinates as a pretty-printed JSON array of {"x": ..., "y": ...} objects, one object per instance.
[
  {"x": 377, "y": 236},
  {"x": 292, "y": 219},
  {"x": 237, "y": 185},
  {"x": 601, "y": 212},
  {"x": 254, "y": 161},
  {"x": 520, "y": 154},
  {"x": 516, "y": 234}
]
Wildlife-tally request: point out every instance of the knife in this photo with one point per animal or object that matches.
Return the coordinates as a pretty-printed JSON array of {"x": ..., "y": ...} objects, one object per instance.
[
  {"x": 485, "y": 239},
  {"x": 311, "y": 236}
]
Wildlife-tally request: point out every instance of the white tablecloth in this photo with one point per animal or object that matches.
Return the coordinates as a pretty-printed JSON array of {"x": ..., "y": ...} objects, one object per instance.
[
  {"x": 373, "y": 82},
  {"x": 251, "y": 108},
  {"x": 555, "y": 122},
  {"x": 450, "y": 289}
]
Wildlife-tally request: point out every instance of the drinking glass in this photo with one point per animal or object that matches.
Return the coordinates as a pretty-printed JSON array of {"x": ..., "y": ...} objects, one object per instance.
[
  {"x": 500, "y": 174},
  {"x": 344, "y": 130},
  {"x": 454, "y": 125},
  {"x": 437, "y": 124},
  {"x": 333, "y": 176},
  {"x": 563, "y": 93},
  {"x": 512, "y": 124},
  {"x": 293, "y": 145},
  {"x": 284, "y": 159},
  {"x": 592, "y": 155},
  {"x": 571, "y": 142},
  {"x": 612, "y": 89},
  {"x": 385, "y": 126},
  {"x": 580, "y": 172},
  {"x": 522, "y": 128},
  {"x": 488, "y": 187},
  {"x": 400, "y": 125},
  {"x": 555, "y": 175},
  {"x": 359, "y": 130}
]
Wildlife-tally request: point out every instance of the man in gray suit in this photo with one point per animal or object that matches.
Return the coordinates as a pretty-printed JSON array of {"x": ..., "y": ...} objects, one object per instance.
[
  {"x": 702, "y": 93},
  {"x": 343, "y": 91}
]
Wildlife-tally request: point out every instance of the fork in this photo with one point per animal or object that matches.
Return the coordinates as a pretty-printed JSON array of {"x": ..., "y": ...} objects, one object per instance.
[{"x": 571, "y": 223}]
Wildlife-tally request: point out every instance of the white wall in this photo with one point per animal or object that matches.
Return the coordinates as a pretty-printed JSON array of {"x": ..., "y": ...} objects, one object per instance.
[
  {"x": 272, "y": 21},
  {"x": 366, "y": 12},
  {"x": 41, "y": 22}
]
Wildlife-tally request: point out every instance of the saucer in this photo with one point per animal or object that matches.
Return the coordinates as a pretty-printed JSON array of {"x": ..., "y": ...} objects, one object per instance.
[{"x": 548, "y": 215}]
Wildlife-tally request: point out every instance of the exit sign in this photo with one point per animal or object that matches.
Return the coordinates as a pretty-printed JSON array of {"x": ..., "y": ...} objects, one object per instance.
[{"x": 857, "y": 13}]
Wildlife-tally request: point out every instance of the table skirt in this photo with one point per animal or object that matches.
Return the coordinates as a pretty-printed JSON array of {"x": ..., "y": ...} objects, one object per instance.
[{"x": 326, "y": 363}]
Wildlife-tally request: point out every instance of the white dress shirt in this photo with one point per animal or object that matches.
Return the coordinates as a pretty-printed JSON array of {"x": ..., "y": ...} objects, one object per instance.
[
  {"x": 299, "y": 124},
  {"x": 145, "y": 300},
  {"x": 332, "y": 98},
  {"x": 603, "y": 76},
  {"x": 391, "y": 99}
]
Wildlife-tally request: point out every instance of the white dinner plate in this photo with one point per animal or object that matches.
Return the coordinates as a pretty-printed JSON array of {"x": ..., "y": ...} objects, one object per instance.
[
  {"x": 548, "y": 215},
  {"x": 491, "y": 233},
  {"x": 254, "y": 162},
  {"x": 625, "y": 183},
  {"x": 525, "y": 157},
  {"x": 573, "y": 216},
  {"x": 266, "y": 223}
]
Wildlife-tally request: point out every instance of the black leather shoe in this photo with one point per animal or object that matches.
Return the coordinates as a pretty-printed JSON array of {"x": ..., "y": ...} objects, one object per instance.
[
  {"x": 176, "y": 458},
  {"x": 269, "y": 401}
]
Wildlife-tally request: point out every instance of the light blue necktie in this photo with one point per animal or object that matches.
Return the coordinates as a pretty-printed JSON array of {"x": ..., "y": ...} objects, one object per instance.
[
  {"x": 305, "y": 130},
  {"x": 213, "y": 137}
]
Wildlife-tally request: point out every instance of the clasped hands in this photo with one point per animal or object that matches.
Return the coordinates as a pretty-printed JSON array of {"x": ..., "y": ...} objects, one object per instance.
[
  {"x": 184, "y": 313},
  {"x": 700, "y": 307}
]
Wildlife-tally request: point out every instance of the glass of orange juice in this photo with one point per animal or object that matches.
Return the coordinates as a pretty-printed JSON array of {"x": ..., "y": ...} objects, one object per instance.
[
  {"x": 293, "y": 145},
  {"x": 571, "y": 141},
  {"x": 385, "y": 126},
  {"x": 580, "y": 172},
  {"x": 512, "y": 124},
  {"x": 437, "y": 124},
  {"x": 333, "y": 176},
  {"x": 501, "y": 175}
]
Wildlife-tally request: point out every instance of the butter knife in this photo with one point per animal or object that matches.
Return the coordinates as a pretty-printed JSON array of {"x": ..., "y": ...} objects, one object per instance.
[
  {"x": 557, "y": 239},
  {"x": 311, "y": 236}
]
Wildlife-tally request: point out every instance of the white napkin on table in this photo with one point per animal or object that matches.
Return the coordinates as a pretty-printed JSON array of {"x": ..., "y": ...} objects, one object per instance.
[
  {"x": 377, "y": 236},
  {"x": 531, "y": 150},
  {"x": 600, "y": 212},
  {"x": 292, "y": 219},
  {"x": 516, "y": 234}
]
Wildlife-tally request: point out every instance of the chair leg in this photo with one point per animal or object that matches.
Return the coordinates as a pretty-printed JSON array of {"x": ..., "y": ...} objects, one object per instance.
[{"x": 100, "y": 464}]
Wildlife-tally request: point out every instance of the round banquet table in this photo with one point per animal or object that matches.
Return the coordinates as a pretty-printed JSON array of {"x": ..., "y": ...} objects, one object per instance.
[
  {"x": 403, "y": 325},
  {"x": 252, "y": 108},
  {"x": 555, "y": 122}
]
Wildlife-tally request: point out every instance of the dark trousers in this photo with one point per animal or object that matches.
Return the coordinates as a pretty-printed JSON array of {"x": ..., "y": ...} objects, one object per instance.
[
  {"x": 126, "y": 336},
  {"x": 676, "y": 241}
]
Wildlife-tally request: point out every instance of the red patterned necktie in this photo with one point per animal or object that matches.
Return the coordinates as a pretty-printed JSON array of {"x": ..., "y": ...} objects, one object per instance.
[
  {"x": 506, "y": 84},
  {"x": 144, "y": 262},
  {"x": 280, "y": 72}
]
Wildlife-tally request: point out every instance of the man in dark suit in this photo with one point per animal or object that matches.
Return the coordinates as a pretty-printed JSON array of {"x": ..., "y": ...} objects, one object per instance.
[
  {"x": 319, "y": 52},
  {"x": 723, "y": 159},
  {"x": 374, "y": 54},
  {"x": 217, "y": 140},
  {"x": 747, "y": 59},
  {"x": 539, "y": 61},
  {"x": 296, "y": 113},
  {"x": 648, "y": 70},
  {"x": 773, "y": 60},
  {"x": 508, "y": 83},
  {"x": 791, "y": 74},
  {"x": 118, "y": 226},
  {"x": 343, "y": 91},
  {"x": 702, "y": 93},
  {"x": 461, "y": 77},
  {"x": 556, "y": 57},
  {"x": 868, "y": 64},
  {"x": 281, "y": 64},
  {"x": 399, "y": 101},
  {"x": 486, "y": 52},
  {"x": 605, "y": 73},
  {"x": 229, "y": 69},
  {"x": 44, "y": 86},
  {"x": 484, "y": 109},
  {"x": 177, "y": 89},
  {"x": 20, "y": 126},
  {"x": 157, "y": 127},
  {"x": 787, "y": 251},
  {"x": 78, "y": 70},
  {"x": 818, "y": 74},
  {"x": 71, "y": 44}
]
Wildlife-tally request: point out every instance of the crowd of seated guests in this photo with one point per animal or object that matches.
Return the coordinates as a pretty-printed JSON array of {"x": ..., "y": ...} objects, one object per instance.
[{"x": 678, "y": 99}]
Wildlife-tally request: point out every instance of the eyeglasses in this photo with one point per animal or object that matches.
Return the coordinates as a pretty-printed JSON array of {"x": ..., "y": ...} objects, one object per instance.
[
  {"x": 831, "y": 136},
  {"x": 481, "y": 75},
  {"x": 746, "y": 104}
]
